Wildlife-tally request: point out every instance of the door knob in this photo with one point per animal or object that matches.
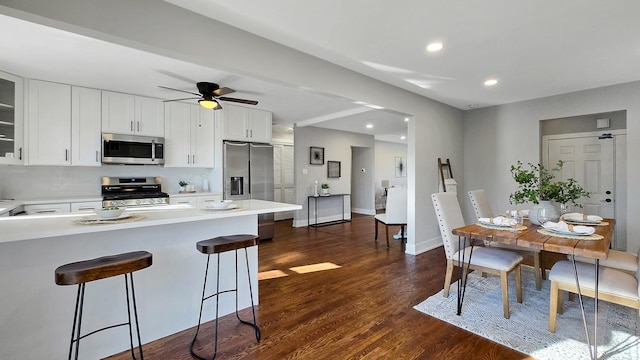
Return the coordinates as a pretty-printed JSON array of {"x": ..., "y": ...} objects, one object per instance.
[{"x": 608, "y": 200}]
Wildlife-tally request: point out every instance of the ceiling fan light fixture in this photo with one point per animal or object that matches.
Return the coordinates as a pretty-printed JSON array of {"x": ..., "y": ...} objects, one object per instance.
[{"x": 208, "y": 103}]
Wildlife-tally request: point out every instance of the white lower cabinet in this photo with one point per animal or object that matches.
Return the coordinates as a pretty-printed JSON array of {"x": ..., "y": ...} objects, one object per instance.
[
  {"x": 183, "y": 200},
  {"x": 203, "y": 200},
  {"x": 45, "y": 209},
  {"x": 86, "y": 206},
  {"x": 195, "y": 200}
]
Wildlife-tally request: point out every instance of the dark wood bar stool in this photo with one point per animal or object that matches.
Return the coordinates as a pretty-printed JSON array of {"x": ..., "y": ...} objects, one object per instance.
[
  {"x": 82, "y": 272},
  {"x": 217, "y": 246}
]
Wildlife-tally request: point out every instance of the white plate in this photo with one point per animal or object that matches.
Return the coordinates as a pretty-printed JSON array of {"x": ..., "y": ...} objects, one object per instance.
[
  {"x": 569, "y": 221},
  {"x": 561, "y": 232},
  {"x": 492, "y": 224},
  {"x": 96, "y": 218},
  {"x": 232, "y": 206}
]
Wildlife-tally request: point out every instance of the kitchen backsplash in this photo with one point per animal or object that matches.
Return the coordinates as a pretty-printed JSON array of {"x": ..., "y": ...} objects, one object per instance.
[{"x": 30, "y": 182}]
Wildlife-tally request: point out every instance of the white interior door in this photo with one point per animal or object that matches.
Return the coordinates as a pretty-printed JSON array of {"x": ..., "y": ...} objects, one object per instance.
[
  {"x": 283, "y": 182},
  {"x": 590, "y": 161}
]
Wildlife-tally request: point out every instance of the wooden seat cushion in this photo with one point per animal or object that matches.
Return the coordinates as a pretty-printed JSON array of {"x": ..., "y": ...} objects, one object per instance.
[
  {"x": 102, "y": 267},
  {"x": 501, "y": 260},
  {"x": 226, "y": 243},
  {"x": 611, "y": 281}
]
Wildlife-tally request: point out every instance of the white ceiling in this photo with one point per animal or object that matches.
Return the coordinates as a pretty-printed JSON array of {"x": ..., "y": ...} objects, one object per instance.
[{"x": 534, "y": 48}]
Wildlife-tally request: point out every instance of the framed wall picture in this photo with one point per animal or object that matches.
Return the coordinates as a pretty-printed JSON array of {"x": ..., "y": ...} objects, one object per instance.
[
  {"x": 401, "y": 167},
  {"x": 333, "y": 169},
  {"x": 316, "y": 155}
]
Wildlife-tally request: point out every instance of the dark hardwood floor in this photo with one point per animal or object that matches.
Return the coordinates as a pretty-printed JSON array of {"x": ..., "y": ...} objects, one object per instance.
[{"x": 362, "y": 310}]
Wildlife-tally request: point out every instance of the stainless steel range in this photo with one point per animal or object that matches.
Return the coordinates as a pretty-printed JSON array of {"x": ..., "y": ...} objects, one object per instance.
[{"x": 133, "y": 191}]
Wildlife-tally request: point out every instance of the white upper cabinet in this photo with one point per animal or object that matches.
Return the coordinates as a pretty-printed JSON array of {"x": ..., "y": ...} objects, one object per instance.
[
  {"x": 129, "y": 114},
  {"x": 49, "y": 123},
  {"x": 11, "y": 119},
  {"x": 245, "y": 124},
  {"x": 149, "y": 116},
  {"x": 189, "y": 136},
  {"x": 86, "y": 142},
  {"x": 118, "y": 113},
  {"x": 63, "y": 124}
]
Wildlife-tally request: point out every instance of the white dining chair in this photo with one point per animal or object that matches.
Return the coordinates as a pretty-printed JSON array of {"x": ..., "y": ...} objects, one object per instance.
[
  {"x": 618, "y": 286},
  {"x": 482, "y": 208},
  {"x": 484, "y": 259},
  {"x": 395, "y": 213}
]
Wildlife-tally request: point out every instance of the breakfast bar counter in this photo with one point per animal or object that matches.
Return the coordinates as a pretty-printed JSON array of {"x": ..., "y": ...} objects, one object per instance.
[{"x": 36, "y": 315}]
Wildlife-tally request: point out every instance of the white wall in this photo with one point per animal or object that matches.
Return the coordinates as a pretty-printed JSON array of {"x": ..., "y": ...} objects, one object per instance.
[
  {"x": 337, "y": 147},
  {"x": 499, "y": 136},
  {"x": 435, "y": 129},
  {"x": 386, "y": 153}
]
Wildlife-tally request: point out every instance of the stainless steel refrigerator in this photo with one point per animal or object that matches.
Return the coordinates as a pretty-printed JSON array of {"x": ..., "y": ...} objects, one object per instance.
[{"x": 248, "y": 174}]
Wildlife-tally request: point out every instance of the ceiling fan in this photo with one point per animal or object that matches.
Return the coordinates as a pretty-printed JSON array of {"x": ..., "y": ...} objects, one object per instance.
[{"x": 210, "y": 95}]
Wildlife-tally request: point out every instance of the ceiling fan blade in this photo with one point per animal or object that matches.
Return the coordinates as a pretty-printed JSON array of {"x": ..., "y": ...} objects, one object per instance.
[
  {"x": 223, "y": 91},
  {"x": 185, "y": 91},
  {"x": 242, "y": 101},
  {"x": 191, "y": 98}
]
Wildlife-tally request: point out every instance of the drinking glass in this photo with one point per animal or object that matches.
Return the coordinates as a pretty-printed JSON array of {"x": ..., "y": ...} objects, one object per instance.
[{"x": 543, "y": 216}]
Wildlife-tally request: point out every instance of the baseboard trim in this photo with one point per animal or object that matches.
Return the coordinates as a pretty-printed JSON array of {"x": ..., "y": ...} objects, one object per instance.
[
  {"x": 363, "y": 211},
  {"x": 423, "y": 246}
]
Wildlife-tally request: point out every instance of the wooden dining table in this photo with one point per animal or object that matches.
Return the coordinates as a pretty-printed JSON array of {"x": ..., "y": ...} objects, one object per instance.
[{"x": 531, "y": 238}]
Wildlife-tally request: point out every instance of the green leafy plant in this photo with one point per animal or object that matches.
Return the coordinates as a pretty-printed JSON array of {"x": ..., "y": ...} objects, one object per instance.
[
  {"x": 537, "y": 183},
  {"x": 183, "y": 183},
  {"x": 324, "y": 186}
]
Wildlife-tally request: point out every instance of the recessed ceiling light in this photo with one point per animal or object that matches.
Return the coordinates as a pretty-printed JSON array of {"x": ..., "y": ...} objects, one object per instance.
[
  {"x": 406, "y": 119},
  {"x": 434, "y": 47},
  {"x": 490, "y": 82},
  {"x": 403, "y": 137},
  {"x": 369, "y": 126}
]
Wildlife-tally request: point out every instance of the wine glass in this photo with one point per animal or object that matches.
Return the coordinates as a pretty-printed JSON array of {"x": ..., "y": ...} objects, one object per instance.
[{"x": 543, "y": 216}]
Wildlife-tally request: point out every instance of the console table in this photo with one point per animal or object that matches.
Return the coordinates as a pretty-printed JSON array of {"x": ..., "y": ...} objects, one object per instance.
[{"x": 315, "y": 203}]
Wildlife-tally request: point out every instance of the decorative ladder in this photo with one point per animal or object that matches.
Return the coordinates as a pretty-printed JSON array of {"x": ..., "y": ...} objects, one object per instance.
[{"x": 442, "y": 167}]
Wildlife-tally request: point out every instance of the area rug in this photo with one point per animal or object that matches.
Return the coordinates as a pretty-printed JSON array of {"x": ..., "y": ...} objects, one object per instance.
[{"x": 527, "y": 328}]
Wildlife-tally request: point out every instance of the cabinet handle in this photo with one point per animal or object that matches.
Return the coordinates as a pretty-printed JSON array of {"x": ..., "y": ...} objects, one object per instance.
[
  {"x": 246, "y": 133},
  {"x": 193, "y": 159},
  {"x": 138, "y": 122},
  {"x": 131, "y": 126},
  {"x": 188, "y": 159},
  {"x": 251, "y": 131},
  {"x": 66, "y": 154},
  {"x": 20, "y": 154},
  {"x": 83, "y": 208},
  {"x": 45, "y": 211}
]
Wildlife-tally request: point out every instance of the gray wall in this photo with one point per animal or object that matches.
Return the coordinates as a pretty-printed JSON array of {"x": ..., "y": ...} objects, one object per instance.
[
  {"x": 337, "y": 147},
  {"x": 498, "y": 136},
  {"x": 583, "y": 123},
  {"x": 362, "y": 188}
]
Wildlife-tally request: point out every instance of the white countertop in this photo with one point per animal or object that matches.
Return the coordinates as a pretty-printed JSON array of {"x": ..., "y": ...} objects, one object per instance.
[{"x": 29, "y": 227}]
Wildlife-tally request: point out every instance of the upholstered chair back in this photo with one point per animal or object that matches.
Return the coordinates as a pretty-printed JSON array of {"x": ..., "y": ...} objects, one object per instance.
[
  {"x": 480, "y": 203},
  {"x": 396, "y": 209},
  {"x": 449, "y": 217}
]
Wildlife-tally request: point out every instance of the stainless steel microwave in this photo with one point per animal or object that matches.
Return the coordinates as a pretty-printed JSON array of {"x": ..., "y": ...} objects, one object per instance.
[{"x": 132, "y": 149}]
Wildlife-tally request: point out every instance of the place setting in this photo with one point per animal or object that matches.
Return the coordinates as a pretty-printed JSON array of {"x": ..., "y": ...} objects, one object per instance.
[
  {"x": 109, "y": 215},
  {"x": 513, "y": 222},
  {"x": 571, "y": 231},
  {"x": 222, "y": 206},
  {"x": 583, "y": 219}
]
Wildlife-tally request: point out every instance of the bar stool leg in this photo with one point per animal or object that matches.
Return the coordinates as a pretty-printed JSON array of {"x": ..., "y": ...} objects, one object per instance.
[
  {"x": 204, "y": 287},
  {"x": 77, "y": 319},
  {"x": 253, "y": 310},
  {"x": 135, "y": 314}
]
